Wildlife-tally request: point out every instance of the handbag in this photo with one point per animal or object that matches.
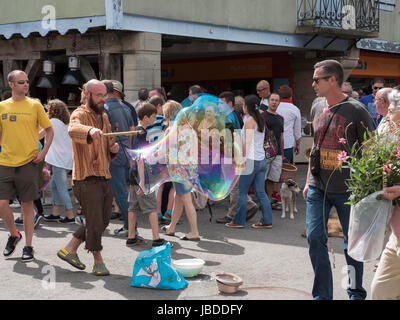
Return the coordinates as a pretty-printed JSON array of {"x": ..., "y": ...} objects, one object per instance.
[
  {"x": 315, "y": 155},
  {"x": 153, "y": 269},
  {"x": 270, "y": 144}
]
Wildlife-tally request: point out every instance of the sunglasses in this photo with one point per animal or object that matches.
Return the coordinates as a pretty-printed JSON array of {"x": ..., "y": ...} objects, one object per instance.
[
  {"x": 377, "y": 88},
  {"x": 23, "y": 81},
  {"x": 259, "y": 90},
  {"x": 317, "y": 79}
]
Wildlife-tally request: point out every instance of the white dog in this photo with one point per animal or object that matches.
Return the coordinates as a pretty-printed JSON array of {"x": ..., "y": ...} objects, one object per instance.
[{"x": 289, "y": 191}]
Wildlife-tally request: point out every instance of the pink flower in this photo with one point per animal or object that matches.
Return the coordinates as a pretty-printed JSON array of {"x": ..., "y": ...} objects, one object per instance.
[
  {"x": 342, "y": 140},
  {"x": 386, "y": 168},
  {"x": 326, "y": 109},
  {"x": 342, "y": 156}
]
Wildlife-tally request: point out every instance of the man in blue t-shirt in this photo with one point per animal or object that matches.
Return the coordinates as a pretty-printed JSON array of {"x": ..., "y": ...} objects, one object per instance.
[
  {"x": 369, "y": 101},
  {"x": 120, "y": 119}
]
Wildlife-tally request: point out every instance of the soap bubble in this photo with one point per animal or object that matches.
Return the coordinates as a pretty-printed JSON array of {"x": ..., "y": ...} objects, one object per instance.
[{"x": 202, "y": 150}]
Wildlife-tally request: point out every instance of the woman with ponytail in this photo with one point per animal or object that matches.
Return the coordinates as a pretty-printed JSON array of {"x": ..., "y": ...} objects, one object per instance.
[{"x": 255, "y": 166}]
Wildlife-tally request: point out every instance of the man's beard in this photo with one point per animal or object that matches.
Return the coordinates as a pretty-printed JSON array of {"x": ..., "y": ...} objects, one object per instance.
[{"x": 98, "y": 108}]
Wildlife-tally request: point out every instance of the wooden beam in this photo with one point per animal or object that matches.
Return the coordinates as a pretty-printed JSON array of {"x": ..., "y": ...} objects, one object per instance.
[
  {"x": 110, "y": 66},
  {"x": 87, "y": 70},
  {"x": 32, "y": 68},
  {"x": 8, "y": 66}
]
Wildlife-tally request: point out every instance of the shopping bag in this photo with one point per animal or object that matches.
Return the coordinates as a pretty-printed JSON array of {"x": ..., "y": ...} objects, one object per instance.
[
  {"x": 369, "y": 219},
  {"x": 153, "y": 269}
]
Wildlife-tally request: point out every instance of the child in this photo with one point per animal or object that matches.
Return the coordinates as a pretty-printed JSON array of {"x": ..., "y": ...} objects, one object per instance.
[{"x": 137, "y": 199}]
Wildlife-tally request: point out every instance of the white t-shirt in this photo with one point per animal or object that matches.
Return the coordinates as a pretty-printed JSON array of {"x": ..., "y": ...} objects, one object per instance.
[
  {"x": 60, "y": 151},
  {"x": 292, "y": 123}
]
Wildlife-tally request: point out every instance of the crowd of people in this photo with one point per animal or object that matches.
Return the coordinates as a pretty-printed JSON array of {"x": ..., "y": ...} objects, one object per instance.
[{"x": 105, "y": 177}]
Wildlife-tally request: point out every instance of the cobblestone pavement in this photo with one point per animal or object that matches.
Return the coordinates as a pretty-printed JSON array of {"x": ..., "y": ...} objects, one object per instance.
[{"x": 273, "y": 263}]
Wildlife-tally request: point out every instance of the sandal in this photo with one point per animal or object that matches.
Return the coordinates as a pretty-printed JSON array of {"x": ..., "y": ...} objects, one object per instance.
[
  {"x": 71, "y": 258},
  {"x": 166, "y": 229},
  {"x": 99, "y": 269},
  {"x": 185, "y": 237}
]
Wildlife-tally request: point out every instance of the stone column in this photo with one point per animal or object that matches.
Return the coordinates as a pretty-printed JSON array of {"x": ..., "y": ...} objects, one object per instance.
[{"x": 142, "y": 67}]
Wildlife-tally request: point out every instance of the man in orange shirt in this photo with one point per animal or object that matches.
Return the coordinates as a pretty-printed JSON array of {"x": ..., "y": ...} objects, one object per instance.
[{"x": 91, "y": 176}]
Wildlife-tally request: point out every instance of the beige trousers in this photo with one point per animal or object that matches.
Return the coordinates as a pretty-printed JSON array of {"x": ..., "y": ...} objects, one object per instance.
[
  {"x": 233, "y": 201},
  {"x": 386, "y": 283}
]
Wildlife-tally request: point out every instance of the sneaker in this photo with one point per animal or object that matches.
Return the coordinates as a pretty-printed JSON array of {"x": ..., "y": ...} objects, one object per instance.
[
  {"x": 131, "y": 242},
  {"x": 38, "y": 217},
  {"x": 51, "y": 218},
  {"x": 67, "y": 220},
  {"x": 224, "y": 220},
  {"x": 121, "y": 232},
  {"x": 15, "y": 205},
  {"x": 79, "y": 220},
  {"x": 159, "y": 242},
  {"x": 27, "y": 254},
  {"x": 11, "y": 245},
  {"x": 233, "y": 225},
  {"x": 19, "y": 221},
  {"x": 259, "y": 225},
  {"x": 251, "y": 213}
]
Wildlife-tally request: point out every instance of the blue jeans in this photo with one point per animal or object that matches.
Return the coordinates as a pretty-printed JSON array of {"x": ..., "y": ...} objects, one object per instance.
[
  {"x": 288, "y": 154},
  {"x": 316, "y": 229},
  {"x": 257, "y": 179},
  {"x": 59, "y": 188},
  {"x": 120, "y": 191}
]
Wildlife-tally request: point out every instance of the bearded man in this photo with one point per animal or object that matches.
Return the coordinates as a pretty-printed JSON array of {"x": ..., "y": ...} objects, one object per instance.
[{"x": 91, "y": 176}]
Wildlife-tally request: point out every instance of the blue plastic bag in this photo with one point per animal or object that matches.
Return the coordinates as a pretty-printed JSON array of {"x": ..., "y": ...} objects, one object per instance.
[{"x": 153, "y": 269}]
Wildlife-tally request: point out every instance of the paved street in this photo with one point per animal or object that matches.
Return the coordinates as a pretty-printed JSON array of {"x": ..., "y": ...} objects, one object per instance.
[{"x": 273, "y": 263}]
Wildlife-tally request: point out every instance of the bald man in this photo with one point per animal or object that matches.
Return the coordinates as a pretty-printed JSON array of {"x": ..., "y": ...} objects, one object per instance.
[
  {"x": 263, "y": 91},
  {"x": 91, "y": 176}
]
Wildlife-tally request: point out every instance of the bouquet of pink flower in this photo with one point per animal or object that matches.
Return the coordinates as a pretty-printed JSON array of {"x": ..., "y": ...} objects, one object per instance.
[{"x": 373, "y": 165}]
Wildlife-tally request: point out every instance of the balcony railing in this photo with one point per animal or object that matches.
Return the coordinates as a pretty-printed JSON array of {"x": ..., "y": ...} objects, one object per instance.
[{"x": 340, "y": 16}]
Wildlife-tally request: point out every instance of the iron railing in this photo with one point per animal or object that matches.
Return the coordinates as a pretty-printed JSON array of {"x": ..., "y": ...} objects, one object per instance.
[{"x": 357, "y": 15}]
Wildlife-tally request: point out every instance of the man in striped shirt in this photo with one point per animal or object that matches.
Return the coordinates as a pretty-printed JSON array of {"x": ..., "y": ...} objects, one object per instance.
[{"x": 91, "y": 176}]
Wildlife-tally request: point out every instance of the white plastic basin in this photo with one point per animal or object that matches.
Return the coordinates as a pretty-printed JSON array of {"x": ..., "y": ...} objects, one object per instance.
[{"x": 189, "y": 267}]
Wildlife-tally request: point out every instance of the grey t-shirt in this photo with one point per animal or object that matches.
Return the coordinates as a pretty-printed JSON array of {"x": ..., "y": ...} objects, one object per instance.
[{"x": 350, "y": 122}]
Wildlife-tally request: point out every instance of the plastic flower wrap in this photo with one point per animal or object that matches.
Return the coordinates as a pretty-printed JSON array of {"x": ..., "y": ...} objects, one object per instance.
[{"x": 374, "y": 165}]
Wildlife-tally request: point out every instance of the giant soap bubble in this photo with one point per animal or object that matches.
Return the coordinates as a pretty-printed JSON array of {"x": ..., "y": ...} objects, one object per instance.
[{"x": 202, "y": 149}]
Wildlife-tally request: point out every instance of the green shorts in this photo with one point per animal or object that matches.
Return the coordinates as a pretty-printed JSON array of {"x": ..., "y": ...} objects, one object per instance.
[
  {"x": 146, "y": 203},
  {"x": 19, "y": 180}
]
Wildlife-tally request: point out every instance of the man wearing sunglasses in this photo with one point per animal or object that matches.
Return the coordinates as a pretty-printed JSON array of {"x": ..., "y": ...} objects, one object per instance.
[
  {"x": 369, "y": 101},
  {"x": 19, "y": 158},
  {"x": 335, "y": 117}
]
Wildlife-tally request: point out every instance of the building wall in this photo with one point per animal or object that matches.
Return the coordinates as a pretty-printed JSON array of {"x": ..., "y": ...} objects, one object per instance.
[
  {"x": 250, "y": 14},
  {"x": 31, "y": 10},
  {"x": 389, "y": 24}
]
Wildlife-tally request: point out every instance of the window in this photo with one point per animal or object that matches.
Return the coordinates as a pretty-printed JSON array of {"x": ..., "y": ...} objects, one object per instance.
[{"x": 387, "y": 5}]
